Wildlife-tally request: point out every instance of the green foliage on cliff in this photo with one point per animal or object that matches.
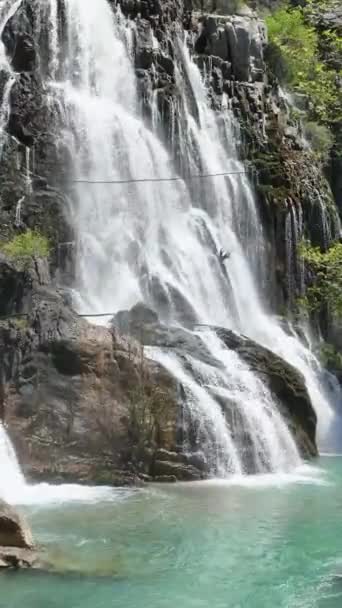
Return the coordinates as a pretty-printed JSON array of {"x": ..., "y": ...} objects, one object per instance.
[
  {"x": 295, "y": 58},
  {"x": 321, "y": 138},
  {"x": 330, "y": 357},
  {"x": 27, "y": 245},
  {"x": 325, "y": 270}
]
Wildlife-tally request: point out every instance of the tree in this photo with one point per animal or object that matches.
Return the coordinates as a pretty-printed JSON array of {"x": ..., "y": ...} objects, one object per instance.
[
  {"x": 325, "y": 278},
  {"x": 295, "y": 58}
]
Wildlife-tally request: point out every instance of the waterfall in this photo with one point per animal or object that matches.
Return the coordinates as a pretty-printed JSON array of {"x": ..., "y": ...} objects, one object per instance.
[
  {"x": 10, "y": 473},
  {"x": 294, "y": 262},
  {"x": 157, "y": 242},
  {"x": 7, "y": 9}
]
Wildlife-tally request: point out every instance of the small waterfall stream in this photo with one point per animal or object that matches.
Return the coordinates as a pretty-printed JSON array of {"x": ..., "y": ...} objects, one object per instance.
[
  {"x": 10, "y": 473},
  {"x": 158, "y": 242},
  {"x": 7, "y": 9}
]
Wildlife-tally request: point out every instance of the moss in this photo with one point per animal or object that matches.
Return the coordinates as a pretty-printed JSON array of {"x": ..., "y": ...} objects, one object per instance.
[
  {"x": 27, "y": 245},
  {"x": 21, "y": 323}
]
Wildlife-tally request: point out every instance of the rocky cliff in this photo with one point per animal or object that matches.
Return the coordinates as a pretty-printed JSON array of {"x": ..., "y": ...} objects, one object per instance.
[{"x": 85, "y": 403}]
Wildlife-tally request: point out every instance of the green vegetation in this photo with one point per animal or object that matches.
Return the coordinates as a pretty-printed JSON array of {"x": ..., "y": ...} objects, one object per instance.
[
  {"x": 325, "y": 288},
  {"x": 330, "y": 357},
  {"x": 295, "y": 58},
  {"x": 320, "y": 138},
  {"x": 26, "y": 245}
]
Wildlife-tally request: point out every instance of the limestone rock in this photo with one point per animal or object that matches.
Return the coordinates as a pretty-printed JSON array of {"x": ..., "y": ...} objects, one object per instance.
[
  {"x": 182, "y": 472},
  {"x": 14, "y": 531},
  {"x": 12, "y": 557}
]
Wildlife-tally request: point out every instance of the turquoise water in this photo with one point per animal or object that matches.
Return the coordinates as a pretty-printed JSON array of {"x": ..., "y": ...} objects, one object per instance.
[{"x": 265, "y": 543}]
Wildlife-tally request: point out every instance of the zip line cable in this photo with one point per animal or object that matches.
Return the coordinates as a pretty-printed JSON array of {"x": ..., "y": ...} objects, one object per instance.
[
  {"x": 174, "y": 178},
  {"x": 158, "y": 179},
  {"x": 120, "y": 182},
  {"x": 28, "y": 314}
]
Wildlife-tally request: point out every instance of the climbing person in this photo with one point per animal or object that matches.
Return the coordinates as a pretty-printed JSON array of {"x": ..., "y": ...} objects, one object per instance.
[{"x": 223, "y": 255}]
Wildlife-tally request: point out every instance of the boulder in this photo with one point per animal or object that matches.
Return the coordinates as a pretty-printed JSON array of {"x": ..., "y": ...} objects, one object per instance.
[
  {"x": 16, "y": 542},
  {"x": 168, "y": 470},
  {"x": 12, "y": 557},
  {"x": 143, "y": 324},
  {"x": 14, "y": 531},
  {"x": 81, "y": 402}
]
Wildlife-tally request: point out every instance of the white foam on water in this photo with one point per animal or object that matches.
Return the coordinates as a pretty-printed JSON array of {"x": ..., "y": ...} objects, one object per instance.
[{"x": 304, "y": 474}]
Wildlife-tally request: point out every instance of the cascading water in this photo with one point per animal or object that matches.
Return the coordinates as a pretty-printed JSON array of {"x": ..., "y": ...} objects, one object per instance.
[
  {"x": 7, "y": 10},
  {"x": 10, "y": 473},
  {"x": 158, "y": 242},
  {"x": 295, "y": 263}
]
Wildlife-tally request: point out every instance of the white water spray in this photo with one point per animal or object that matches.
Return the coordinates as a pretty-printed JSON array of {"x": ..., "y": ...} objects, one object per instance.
[{"x": 10, "y": 473}]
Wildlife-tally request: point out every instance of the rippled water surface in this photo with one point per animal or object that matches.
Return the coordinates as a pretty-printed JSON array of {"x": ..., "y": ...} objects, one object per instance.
[{"x": 271, "y": 541}]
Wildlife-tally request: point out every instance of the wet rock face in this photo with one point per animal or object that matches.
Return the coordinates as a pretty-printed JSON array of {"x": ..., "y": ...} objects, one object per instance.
[
  {"x": 285, "y": 383},
  {"x": 236, "y": 39},
  {"x": 34, "y": 167},
  {"x": 81, "y": 402}
]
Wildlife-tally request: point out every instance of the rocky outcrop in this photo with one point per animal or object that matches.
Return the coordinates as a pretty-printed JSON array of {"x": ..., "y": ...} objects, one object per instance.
[
  {"x": 14, "y": 531},
  {"x": 16, "y": 542},
  {"x": 285, "y": 383},
  {"x": 80, "y": 402}
]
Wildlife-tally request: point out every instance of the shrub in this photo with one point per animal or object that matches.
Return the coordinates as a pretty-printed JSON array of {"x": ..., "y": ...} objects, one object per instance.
[
  {"x": 330, "y": 357},
  {"x": 27, "y": 245},
  {"x": 325, "y": 272},
  {"x": 294, "y": 57},
  {"x": 320, "y": 138}
]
